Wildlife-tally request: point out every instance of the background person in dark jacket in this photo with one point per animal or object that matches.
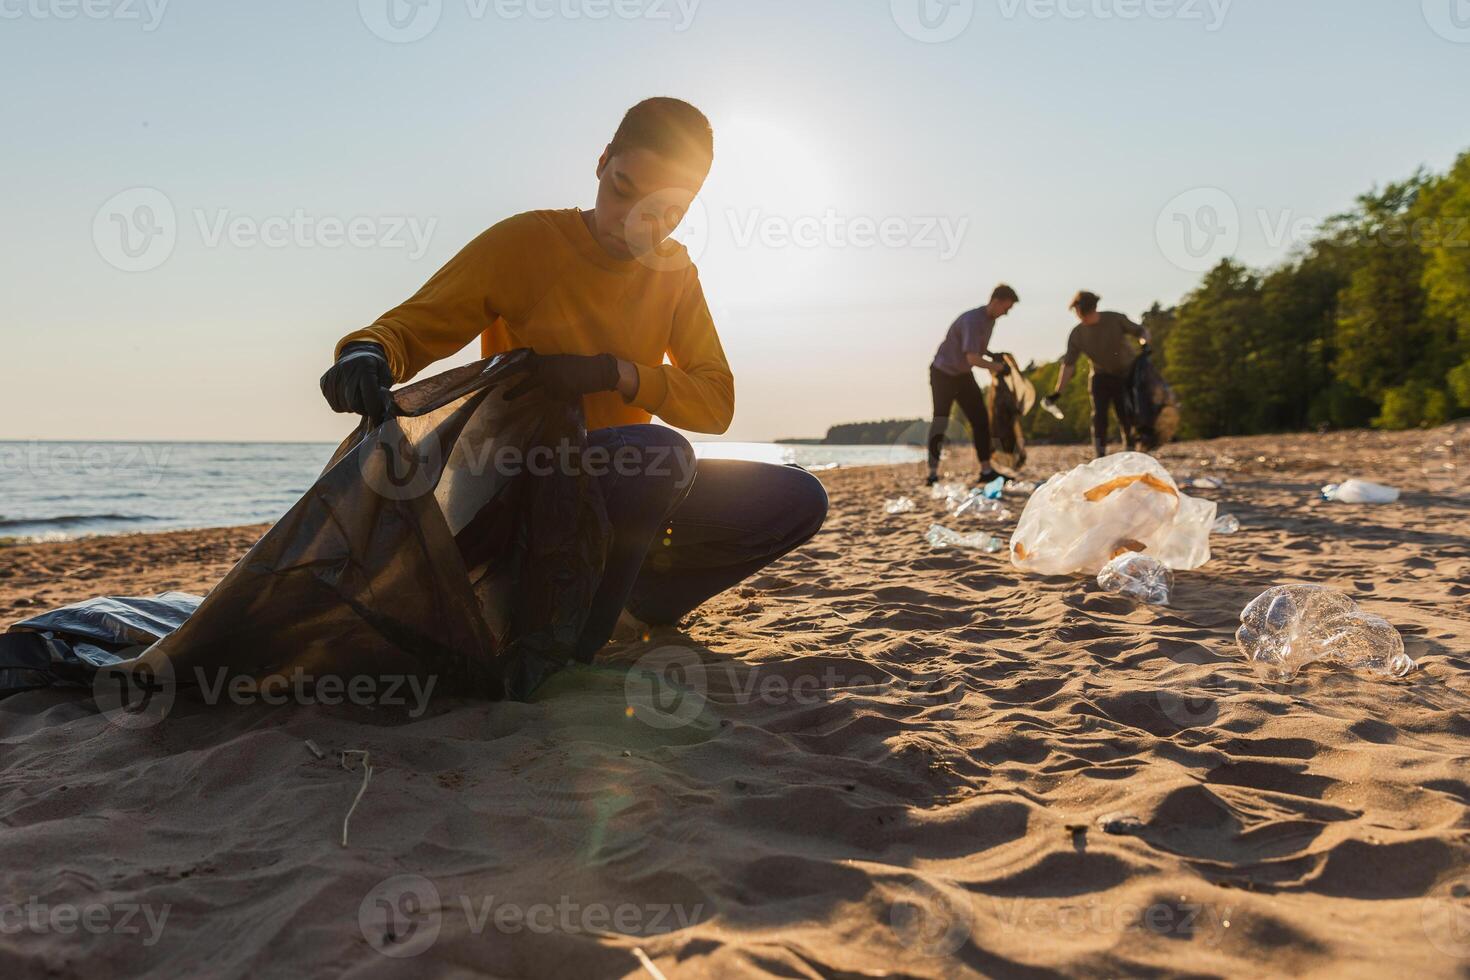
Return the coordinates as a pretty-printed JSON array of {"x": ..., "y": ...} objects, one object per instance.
[{"x": 1108, "y": 341}]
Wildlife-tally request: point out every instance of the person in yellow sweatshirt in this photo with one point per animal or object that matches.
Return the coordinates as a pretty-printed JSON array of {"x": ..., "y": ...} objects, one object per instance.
[{"x": 613, "y": 310}]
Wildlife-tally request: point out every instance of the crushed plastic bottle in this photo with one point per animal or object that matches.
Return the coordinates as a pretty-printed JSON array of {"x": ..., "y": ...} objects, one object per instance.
[
  {"x": 1138, "y": 577},
  {"x": 903, "y": 505},
  {"x": 1022, "y": 488},
  {"x": 949, "y": 491},
  {"x": 1207, "y": 483},
  {"x": 995, "y": 488},
  {"x": 942, "y": 537},
  {"x": 1287, "y": 627},
  {"x": 1226, "y": 524},
  {"x": 1360, "y": 492},
  {"x": 980, "y": 505}
]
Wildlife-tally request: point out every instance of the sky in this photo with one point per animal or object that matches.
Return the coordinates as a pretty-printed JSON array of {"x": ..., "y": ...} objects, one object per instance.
[{"x": 202, "y": 197}]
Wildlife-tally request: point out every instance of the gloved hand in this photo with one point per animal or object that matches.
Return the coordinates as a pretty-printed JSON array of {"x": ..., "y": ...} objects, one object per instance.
[
  {"x": 567, "y": 376},
  {"x": 360, "y": 382}
]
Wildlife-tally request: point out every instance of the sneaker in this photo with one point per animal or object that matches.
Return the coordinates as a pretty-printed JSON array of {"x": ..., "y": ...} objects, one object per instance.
[
  {"x": 987, "y": 477},
  {"x": 932, "y": 480}
]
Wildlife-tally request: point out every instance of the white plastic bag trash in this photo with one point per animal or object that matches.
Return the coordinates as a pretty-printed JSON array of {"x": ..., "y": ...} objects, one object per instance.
[
  {"x": 1360, "y": 492},
  {"x": 1079, "y": 521}
]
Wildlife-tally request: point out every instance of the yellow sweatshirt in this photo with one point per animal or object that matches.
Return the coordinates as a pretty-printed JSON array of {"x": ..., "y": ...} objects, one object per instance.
[{"x": 540, "y": 280}]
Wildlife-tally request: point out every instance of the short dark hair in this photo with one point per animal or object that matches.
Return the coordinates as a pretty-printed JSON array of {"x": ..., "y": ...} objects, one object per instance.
[
  {"x": 1005, "y": 293},
  {"x": 1085, "y": 303},
  {"x": 669, "y": 127}
]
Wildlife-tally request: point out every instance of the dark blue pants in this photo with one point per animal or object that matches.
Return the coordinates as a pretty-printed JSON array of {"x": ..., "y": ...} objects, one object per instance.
[{"x": 684, "y": 531}]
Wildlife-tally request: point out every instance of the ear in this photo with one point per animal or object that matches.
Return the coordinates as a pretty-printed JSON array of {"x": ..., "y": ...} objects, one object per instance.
[{"x": 602, "y": 161}]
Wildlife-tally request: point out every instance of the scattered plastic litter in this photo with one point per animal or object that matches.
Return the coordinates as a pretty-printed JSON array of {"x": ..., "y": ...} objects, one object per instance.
[
  {"x": 1226, "y": 524},
  {"x": 995, "y": 488},
  {"x": 1360, "y": 492},
  {"x": 1138, "y": 577},
  {"x": 1080, "y": 521},
  {"x": 1207, "y": 483},
  {"x": 1289, "y": 626},
  {"x": 1022, "y": 488},
  {"x": 903, "y": 505},
  {"x": 943, "y": 537},
  {"x": 981, "y": 505}
]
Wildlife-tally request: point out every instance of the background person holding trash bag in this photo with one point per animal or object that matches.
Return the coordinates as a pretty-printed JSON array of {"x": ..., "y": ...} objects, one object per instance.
[
  {"x": 614, "y": 316},
  {"x": 966, "y": 346},
  {"x": 1107, "y": 340}
]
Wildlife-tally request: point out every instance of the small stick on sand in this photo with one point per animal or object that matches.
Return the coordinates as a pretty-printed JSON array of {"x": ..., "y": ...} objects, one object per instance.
[
  {"x": 648, "y": 964},
  {"x": 314, "y": 750},
  {"x": 367, "y": 774}
]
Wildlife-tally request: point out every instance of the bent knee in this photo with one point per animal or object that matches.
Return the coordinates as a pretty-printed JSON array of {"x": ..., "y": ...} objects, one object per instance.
[{"x": 809, "y": 503}]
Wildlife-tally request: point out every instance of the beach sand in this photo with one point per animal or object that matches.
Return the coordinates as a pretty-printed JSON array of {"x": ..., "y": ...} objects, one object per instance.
[{"x": 882, "y": 760}]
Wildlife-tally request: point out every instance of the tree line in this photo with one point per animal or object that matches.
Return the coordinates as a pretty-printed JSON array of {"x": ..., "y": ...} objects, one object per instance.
[{"x": 1366, "y": 324}]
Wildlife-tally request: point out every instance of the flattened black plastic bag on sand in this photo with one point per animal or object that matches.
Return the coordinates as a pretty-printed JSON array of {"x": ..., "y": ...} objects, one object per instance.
[{"x": 429, "y": 547}]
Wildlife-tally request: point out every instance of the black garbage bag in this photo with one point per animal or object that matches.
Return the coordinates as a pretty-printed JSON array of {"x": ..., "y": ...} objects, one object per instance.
[
  {"x": 1008, "y": 400},
  {"x": 430, "y": 547},
  {"x": 1152, "y": 401}
]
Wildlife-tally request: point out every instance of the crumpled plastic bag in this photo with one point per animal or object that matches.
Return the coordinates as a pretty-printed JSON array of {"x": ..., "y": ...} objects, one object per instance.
[
  {"x": 1077, "y": 522},
  {"x": 1287, "y": 627}
]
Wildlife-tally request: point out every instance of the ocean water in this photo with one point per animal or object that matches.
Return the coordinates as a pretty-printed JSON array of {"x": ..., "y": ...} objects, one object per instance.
[{"x": 58, "y": 490}]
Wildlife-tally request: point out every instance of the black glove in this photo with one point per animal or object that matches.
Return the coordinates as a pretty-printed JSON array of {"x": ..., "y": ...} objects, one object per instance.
[
  {"x": 567, "y": 376},
  {"x": 359, "y": 382}
]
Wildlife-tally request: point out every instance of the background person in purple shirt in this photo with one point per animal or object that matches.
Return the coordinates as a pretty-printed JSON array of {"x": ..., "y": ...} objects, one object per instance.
[{"x": 967, "y": 346}]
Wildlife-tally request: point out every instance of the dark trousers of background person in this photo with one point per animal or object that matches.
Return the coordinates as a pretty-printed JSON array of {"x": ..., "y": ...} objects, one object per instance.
[
  {"x": 948, "y": 389},
  {"x": 677, "y": 541},
  {"x": 1110, "y": 390}
]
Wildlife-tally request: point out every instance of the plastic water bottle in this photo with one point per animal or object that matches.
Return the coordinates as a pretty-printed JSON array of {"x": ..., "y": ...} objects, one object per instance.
[
  {"x": 942, "y": 537},
  {"x": 1289, "y": 626},
  {"x": 1226, "y": 524},
  {"x": 903, "y": 505},
  {"x": 1360, "y": 492},
  {"x": 1053, "y": 409},
  {"x": 1140, "y": 577}
]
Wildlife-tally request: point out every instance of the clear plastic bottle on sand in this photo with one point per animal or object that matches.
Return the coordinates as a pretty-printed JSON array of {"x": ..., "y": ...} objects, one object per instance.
[
  {"x": 1226, "y": 524},
  {"x": 942, "y": 537},
  {"x": 1360, "y": 492},
  {"x": 903, "y": 505},
  {"x": 1140, "y": 577},
  {"x": 980, "y": 505},
  {"x": 1289, "y": 626}
]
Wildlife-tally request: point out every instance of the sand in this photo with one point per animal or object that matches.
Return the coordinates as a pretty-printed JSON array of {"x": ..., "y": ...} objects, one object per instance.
[{"x": 882, "y": 760}]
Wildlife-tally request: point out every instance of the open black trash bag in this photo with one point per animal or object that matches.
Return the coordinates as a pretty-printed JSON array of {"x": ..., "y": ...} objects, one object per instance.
[
  {"x": 1153, "y": 403},
  {"x": 1008, "y": 400},
  {"x": 434, "y": 546}
]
